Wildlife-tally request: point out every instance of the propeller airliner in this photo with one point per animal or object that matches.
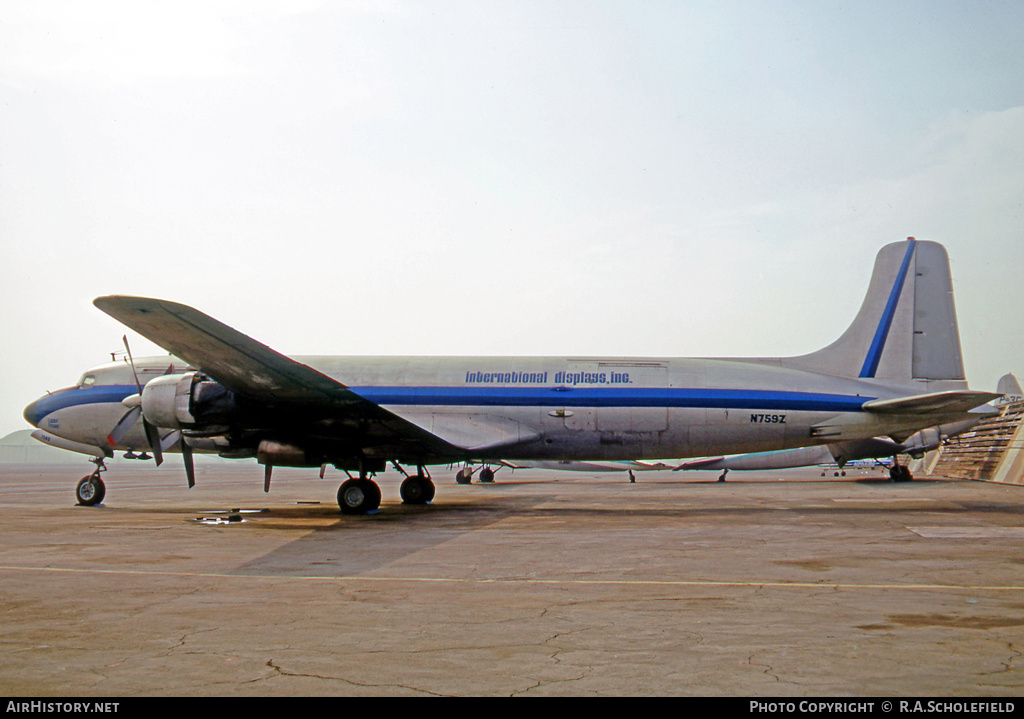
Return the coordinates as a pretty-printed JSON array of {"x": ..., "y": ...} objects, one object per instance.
[{"x": 896, "y": 370}]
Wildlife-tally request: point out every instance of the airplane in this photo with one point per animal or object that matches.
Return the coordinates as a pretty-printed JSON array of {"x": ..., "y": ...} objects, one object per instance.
[{"x": 897, "y": 369}]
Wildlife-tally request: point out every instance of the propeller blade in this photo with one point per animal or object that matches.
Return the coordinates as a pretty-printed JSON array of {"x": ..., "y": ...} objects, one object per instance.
[
  {"x": 132, "y": 362},
  {"x": 169, "y": 440},
  {"x": 190, "y": 468},
  {"x": 123, "y": 425},
  {"x": 153, "y": 436}
]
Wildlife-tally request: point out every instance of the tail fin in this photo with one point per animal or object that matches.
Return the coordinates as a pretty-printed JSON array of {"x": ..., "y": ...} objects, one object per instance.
[
  {"x": 1010, "y": 388},
  {"x": 906, "y": 328}
]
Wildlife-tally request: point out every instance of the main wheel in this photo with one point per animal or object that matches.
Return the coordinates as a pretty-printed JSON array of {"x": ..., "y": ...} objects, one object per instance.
[
  {"x": 487, "y": 475},
  {"x": 90, "y": 491},
  {"x": 358, "y": 496},
  {"x": 417, "y": 490},
  {"x": 464, "y": 476}
]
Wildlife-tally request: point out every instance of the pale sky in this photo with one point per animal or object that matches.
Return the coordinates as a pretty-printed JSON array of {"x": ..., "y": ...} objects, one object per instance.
[{"x": 517, "y": 177}]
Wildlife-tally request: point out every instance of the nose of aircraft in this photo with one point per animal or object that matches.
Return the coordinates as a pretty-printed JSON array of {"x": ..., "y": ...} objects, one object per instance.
[{"x": 33, "y": 413}]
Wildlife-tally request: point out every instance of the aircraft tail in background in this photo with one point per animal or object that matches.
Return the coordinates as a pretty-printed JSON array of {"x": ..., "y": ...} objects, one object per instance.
[{"x": 1009, "y": 387}]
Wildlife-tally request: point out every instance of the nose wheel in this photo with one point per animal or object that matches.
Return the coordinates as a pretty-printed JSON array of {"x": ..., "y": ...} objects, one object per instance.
[{"x": 90, "y": 490}]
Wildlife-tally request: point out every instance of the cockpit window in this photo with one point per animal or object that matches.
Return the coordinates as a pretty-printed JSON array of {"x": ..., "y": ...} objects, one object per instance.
[{"x": 87, "y": 381}]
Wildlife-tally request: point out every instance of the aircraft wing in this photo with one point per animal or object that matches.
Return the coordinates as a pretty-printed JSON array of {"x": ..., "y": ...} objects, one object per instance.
[
  {"x": 235, "y": 360},
  {"x": 254, "y": 371}
]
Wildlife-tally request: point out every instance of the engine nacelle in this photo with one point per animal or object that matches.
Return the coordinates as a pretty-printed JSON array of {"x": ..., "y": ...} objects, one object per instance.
[
  {"x": 282, "y": 454},
  {"x": 924, "y": 441},
  {"x": 187, "y": 401},
  {"x": 166, "y": 401}
]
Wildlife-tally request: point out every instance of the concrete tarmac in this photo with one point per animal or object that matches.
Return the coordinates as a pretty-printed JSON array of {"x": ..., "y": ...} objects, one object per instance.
[{"x": 545, "y": 583}]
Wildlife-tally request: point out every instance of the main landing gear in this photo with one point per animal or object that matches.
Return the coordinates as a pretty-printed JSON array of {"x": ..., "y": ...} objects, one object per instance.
[
  {"x": 91, "y": 490},
  {"x": 465, "y": 475},
  {"x": 362, "y": 495}
]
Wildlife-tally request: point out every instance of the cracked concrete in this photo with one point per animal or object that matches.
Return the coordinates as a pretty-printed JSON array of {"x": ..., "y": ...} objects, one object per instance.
[{"x": 545, "y": 584}]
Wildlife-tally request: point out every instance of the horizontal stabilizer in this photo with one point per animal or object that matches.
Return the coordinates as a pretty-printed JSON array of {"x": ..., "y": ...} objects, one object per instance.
[
  {"x": 706, "y": 463},
  {"x": 781, "y": 459},
  {"x": 934, "y": 403}
]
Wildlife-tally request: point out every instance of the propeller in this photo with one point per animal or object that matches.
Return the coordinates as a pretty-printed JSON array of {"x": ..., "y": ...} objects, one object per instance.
[
  {"x": 169, "y": 440},
  {"x": 123, "y": 425},
  {"x": 128, "y": 420},
  {"x": 156, "y": 444},
  {"x": 190, "y": 468}
]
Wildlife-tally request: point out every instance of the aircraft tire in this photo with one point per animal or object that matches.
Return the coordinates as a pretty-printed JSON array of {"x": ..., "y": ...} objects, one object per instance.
[
  {"x": 358, "y": 496},
  {"x": 900, "y": 474},
  {"x": 487, "y": 475},
  {"x": 90, "y": 491},
  {"x": 464, "y": 476},
  {"x": 417, "y": 490}
]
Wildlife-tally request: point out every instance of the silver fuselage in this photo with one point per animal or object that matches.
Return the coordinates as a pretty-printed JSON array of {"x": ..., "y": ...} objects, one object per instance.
[{"x": 545, "y": 408}]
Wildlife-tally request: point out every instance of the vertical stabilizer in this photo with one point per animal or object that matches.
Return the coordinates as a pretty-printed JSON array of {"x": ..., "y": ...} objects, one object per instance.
[
  {"x": 1009, "y": 387},
  {"x": 906, "y": 328}
]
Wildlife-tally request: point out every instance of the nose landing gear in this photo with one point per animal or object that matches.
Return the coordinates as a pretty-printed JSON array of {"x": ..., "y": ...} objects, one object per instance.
[{"x": 91, "y": 490}]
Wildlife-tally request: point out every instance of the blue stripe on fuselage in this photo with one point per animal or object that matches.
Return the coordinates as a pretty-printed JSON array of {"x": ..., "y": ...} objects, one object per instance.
[
  {"x": 74, "y": 396},
  {"x": 618, "y": 397},
  {"x": 520, "y": 397},
  {"x": 874, "y": 355}
]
